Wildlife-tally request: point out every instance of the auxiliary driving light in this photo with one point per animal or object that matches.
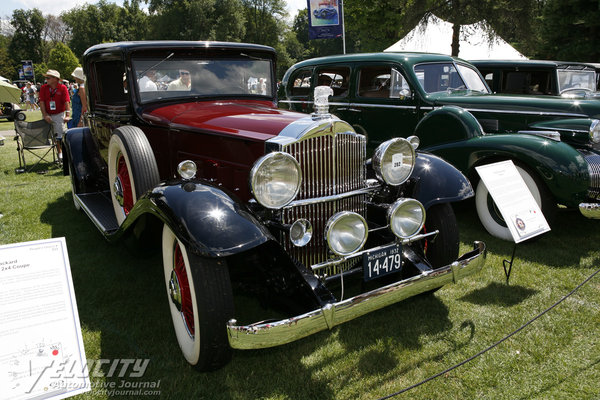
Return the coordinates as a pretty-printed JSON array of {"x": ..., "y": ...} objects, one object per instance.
[
  {"x": 301, "y": 232},
  {"x": 406, "y": 217},
  {"x": 346, "y": 232},
  {"x": 187, "y": 169}
]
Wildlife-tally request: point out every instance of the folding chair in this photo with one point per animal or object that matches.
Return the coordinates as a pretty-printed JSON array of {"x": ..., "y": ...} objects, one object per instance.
[{"x": 32, "y": 137}]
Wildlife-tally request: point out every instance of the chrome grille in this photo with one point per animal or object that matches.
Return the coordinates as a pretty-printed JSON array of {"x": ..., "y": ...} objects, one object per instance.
[
  {"x": 593, "y": 161},
  {"x": 331, "y": 164}
]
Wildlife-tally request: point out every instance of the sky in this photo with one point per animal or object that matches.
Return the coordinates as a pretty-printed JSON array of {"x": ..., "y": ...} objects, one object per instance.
[{"x": 55, "y": 7}]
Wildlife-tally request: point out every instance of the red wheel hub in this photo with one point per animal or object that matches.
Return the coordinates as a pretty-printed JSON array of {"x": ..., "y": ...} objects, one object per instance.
[
  {"x": 187, "y": 309},
  {"x": 123, "y": 176}
]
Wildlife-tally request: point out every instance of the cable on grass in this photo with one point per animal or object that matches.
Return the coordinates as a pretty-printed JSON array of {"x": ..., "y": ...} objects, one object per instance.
[{"x": 493, "y": 345}]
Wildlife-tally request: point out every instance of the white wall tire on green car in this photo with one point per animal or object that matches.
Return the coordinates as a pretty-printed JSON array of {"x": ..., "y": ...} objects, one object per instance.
[{"x": 490, "y": 216}]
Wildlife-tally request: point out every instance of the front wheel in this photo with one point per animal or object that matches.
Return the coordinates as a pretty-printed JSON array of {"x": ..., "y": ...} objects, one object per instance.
[
  {"x": 200, "y": 301},
  {"x": 444, "y": 249},
  {"x": 490, "y": 215}
]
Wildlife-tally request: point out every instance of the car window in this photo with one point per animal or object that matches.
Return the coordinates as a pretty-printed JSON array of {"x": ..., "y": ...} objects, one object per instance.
[
  {"x": 112, "y": 90},
  {"x": 572, "y": 79},
  {"x": 301, "y": 82},
  {"x": 383, "y": 82},
  {"x": 337, "y": 78},
  {"x": 472, "y": 79},
  {"x": 526, "y": 82},
  {"x": 185, "y": 77},
  {"x": 440, "y": 77}
]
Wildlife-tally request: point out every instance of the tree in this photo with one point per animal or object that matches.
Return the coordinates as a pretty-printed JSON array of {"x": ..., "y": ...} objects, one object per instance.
[
  {"x": 26, "y": 43},
  {"x": 265, "y": 21},
  {"x": 8, "y": 68},
  {"x": 63, "y": 60},
  {"x": 313, "y": 48}
]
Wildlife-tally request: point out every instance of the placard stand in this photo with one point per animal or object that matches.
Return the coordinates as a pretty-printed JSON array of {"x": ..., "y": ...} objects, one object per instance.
[{"x": 508, "y": 263}]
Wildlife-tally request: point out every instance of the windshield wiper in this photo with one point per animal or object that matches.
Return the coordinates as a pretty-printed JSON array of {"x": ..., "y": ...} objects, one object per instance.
[{"x": 155, "y": 65}]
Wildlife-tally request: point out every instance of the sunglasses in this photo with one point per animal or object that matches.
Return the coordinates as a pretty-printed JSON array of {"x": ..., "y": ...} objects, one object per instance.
[{"x": 183, "y": 73}]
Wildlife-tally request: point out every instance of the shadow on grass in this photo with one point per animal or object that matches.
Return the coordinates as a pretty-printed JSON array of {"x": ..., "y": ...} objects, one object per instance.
[
  {"x": 571, "y": 239},
  {"x": 499, "y": 294}
]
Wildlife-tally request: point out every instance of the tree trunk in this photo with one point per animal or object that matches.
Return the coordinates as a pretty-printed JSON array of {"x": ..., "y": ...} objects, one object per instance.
[{"x": 455, "y": 39}]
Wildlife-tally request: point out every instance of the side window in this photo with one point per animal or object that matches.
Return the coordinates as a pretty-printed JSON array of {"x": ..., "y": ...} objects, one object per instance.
[
  {"x": 336, "y": 78},
  {"x": 382, "y": 82},
  {"x": 111, "y": 85},
  {"x": 301, "y": 83}
]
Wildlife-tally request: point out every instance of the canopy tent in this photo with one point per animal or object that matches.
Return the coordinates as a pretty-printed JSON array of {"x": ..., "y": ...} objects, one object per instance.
[
  {"x": 434, "y": 35},
  {"x": 9, "y": 93}
]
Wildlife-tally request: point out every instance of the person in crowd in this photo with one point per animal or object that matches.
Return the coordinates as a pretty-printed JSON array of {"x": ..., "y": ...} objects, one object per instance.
[
  {"x": 148, "y": 81},
  {"x": 181, "y": 83},
  {"x": 55, "y": 105},
  {"x": 78, "y": 99},
  {"x": 30, "y": 97}
]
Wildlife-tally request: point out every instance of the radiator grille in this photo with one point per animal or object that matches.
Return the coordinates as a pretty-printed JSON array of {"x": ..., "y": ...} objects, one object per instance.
[
  {"x": 593, "y": 161},
  {"x": 331, "y": 165}
]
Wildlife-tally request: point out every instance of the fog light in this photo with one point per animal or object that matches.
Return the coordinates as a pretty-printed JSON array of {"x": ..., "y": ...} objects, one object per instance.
[
  {"x": 346, "y": 233},
  {"x": 301, "y": 232},
  {"x": 406, "y": 217},
  {"x": 187, "y": 169}
]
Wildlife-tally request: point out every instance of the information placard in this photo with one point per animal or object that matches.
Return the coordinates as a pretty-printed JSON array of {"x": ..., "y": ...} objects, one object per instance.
[
  {"x": 514, "y": 200},
  {"x": 41, "y": 347}
]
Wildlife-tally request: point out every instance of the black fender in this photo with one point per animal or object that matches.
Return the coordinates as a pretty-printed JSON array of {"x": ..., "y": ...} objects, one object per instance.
[
  {"x": 438, "y": 181},
  {"x": 88, "y": 167},
  {"x": 209, "y": 220}
]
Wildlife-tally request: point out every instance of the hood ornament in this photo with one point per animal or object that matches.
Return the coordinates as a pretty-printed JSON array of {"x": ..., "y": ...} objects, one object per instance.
[{"x": 321, "y": 103}]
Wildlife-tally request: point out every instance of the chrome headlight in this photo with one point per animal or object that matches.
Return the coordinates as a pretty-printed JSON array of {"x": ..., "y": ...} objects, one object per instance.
[
  {"x": 406, "y": 217},
  {"x": 595, "y": 131},
  {"x": 394, "y": 161},
  {"x": 275, "y": 179},
  {"x": 346, "y": 232},
  {"x": 187, "y": 169}
]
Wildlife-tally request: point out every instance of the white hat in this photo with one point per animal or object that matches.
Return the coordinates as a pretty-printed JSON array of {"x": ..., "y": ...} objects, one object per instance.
[
  {"x": 78, "y": 73},
  {"x": 52, "y": 72}
]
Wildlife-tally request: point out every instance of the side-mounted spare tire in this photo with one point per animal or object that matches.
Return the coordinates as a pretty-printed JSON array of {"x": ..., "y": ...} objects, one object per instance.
[{"x": 132, "y": 169}]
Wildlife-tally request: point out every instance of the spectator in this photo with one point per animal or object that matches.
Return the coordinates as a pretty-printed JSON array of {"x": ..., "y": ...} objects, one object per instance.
[
  {"x": 78, "y": 99},
  {"x": 147, "y": 82},
  {"x": 30, "y": 97},
  {"x": 55, "y": 105},
  {"x": 181, "y": 83}
]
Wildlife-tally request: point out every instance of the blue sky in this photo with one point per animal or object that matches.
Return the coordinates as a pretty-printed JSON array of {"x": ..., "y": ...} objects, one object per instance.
[{"x": 55, "y": 7}]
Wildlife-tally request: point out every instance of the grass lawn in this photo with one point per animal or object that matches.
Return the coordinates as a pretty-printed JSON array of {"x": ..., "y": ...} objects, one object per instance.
[{"x": 123, "y": 310}]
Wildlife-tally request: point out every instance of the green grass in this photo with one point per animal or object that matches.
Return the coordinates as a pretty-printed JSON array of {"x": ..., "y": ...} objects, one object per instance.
[{"x": 123, "y": 312}]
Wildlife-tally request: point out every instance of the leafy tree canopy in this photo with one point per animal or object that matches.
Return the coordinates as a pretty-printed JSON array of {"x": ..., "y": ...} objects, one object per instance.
[{"x": 63, "y": 60}]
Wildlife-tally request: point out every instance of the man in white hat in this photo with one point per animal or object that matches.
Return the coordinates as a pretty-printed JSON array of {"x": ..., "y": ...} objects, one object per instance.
[{"x": 55, "y": 105}]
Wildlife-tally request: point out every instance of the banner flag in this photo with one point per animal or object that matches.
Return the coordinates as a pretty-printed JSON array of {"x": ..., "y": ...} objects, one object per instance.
[
  {"x": 324, "y": 19},
  {"x": 27, "y": 69}
]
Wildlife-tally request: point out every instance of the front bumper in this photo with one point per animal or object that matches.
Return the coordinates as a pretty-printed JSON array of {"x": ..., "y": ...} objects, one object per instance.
[
  {"x": 262, "y": 335},
  {"x": 590, "y": 210}
]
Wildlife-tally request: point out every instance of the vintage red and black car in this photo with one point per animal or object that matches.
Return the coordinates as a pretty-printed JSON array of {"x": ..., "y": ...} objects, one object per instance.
[{"x": 187, "y": 151}]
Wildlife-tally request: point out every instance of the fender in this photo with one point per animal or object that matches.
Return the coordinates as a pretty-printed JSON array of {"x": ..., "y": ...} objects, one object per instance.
[
  {"x": 438, "y": 181},
  {"x": 574, "y": 130},
  {"x": 447, "y": 124},
  {"x": 562, "y": 168},
  {"x": 89, "y": 168},
  {"x": 206, "y": 218}
]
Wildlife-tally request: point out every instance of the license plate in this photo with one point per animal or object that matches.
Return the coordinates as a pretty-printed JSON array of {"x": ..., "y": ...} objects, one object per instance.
[{"x": 381, "y": 262}]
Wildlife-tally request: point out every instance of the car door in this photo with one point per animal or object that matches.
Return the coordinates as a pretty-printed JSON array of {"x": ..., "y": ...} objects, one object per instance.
[
  {"x": 337, "y": 77},
  {"x": 384, "y": 102}
]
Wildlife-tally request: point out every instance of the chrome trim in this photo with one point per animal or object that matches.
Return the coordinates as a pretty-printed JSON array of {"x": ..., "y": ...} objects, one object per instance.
[
  {"x": 593, "y": 165},
  {"x": 269, "y": 334},
  {"x": 552, "y": 135},
  {"x": 403, "y": 242},
  {"x": 543, "y": 113},
  {"x": 590, "y": 210},
  {"x": 323, "y": 199}
]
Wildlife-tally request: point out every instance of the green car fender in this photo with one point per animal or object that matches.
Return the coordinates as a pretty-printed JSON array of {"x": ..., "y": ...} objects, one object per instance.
[{"x": 562, "y": 168}]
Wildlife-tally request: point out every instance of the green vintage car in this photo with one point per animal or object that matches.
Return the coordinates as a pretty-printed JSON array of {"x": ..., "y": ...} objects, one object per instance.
[{"x": 554, "y": 142}]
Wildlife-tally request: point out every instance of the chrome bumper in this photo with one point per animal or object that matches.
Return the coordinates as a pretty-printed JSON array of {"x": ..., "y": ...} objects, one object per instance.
[
  {"x": 590, "y": 210},
  {"x": 262, "y": 335}
]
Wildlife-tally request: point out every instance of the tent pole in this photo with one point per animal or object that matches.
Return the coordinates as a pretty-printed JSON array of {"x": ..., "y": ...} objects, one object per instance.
[{"x": 343, "y": 28}]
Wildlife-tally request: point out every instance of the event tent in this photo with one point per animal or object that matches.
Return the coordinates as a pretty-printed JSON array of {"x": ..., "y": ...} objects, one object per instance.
[{"x": 434, "y": 35}]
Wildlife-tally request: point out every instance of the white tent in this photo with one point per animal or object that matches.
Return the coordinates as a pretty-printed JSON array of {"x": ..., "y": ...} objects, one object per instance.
[{"x": 434, "y": 35}]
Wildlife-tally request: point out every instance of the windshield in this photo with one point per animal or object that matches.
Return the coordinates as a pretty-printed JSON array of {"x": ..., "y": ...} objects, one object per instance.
[
  {"x": 440, "y": 77},
  {"x": 212, "y": 77},
  {"x": 569, "y": 80}
]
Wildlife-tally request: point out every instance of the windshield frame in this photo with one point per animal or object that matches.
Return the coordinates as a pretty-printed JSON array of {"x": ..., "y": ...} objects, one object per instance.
[{"x": 455, "y": 65}]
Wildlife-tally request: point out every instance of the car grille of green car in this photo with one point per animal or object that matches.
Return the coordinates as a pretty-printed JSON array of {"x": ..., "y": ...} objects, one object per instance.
[
  {"x": 593, "y": 162},
  {"x": 331, "y": 165}
]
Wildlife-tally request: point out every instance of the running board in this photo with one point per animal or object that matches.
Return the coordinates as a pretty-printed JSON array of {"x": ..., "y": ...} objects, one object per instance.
[{"x": 98, "y": 206}]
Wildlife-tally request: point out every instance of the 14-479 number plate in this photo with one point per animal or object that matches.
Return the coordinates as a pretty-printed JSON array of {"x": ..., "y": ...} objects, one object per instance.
[{"x": 383, "y": 261}]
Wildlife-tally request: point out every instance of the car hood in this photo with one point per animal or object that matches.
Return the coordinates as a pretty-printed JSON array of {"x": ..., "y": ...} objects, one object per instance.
[
  {"x": 501, "y": 102},
  {"x": 257, "y": 120}
]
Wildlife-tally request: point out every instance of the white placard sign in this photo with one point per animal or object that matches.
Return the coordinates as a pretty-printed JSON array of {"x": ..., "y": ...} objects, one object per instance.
[
  {"x": 41, "y": 347},
  {"x": 514, "y": 200}
]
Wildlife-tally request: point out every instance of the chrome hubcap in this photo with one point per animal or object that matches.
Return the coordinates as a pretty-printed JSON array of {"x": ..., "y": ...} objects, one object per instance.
[
  {"x": 118, "y": 191},
  {"x": 175, "y": 290}
]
